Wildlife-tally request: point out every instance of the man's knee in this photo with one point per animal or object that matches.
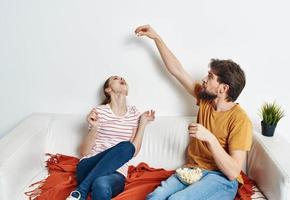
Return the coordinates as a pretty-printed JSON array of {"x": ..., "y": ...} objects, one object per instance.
[
  {"x": 158, "y": 194},
  {"x": 101, "y": 190},
  {"x": 177, "y": 196},
  {"x": 155, "y": 196}
]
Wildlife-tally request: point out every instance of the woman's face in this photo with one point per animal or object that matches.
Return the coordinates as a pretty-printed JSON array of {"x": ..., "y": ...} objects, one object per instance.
[{"x": 118, "y": 85}]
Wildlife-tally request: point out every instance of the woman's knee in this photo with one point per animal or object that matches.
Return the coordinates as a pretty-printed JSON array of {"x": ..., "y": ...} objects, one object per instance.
[
  {"x": 101, "y": 190},
  {"x": 127, "y": 147},
  {"x": 80, "y": 174}
]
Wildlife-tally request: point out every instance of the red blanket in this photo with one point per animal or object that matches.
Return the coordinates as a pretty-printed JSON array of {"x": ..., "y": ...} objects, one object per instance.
[{"x": 141, "y": 180}]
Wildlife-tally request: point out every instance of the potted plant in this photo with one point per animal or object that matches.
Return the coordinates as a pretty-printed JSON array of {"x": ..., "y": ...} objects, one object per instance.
[{"x": 271, "y": 113}]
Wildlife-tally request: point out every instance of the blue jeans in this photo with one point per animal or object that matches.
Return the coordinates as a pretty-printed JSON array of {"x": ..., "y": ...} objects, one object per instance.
[
  {"x": 212, "y": 186},
  {"x": 98, "y": 174}
]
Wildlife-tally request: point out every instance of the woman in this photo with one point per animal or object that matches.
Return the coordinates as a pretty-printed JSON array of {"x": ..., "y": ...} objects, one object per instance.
[{"x": 115, "y": 136}]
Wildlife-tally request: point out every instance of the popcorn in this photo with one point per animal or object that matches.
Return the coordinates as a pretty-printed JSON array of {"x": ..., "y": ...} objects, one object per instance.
[{"x": 188, "y": 175}]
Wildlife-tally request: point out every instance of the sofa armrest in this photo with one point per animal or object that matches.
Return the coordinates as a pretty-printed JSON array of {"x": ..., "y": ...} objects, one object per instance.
[
  {"x": 22, "y": 154},
  {"x": 269, "y": 166}
]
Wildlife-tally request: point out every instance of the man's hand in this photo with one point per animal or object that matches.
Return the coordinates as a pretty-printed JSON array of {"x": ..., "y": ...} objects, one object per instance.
[
  {"x": 200, "y": 132},
  {"x": 146, "y": 30}
]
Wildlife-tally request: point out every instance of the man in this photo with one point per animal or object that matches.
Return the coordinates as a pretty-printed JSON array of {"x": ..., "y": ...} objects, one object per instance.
[{"x": 223, "y": 132}]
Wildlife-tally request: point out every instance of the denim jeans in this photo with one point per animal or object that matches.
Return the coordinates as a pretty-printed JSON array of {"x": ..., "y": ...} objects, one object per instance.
[
  {"x": 108, "y": 186},
  {"x": 98, "y": 174},
  {"x": 212, "y": 186}
]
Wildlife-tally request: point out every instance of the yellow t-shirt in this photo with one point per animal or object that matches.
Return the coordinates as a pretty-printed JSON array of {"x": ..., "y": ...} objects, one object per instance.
[{"x": 232, "y": 128}]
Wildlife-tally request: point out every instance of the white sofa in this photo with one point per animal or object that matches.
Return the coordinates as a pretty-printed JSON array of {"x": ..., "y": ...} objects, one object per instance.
[{"x": 22, "y": 152}]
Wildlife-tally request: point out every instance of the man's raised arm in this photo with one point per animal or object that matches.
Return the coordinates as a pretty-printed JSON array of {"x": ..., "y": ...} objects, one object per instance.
[{"x": 171, "y": 62}]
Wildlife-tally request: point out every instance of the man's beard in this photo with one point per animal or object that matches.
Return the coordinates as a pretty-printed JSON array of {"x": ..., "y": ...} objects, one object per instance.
[{"x": 205, "y": 95}]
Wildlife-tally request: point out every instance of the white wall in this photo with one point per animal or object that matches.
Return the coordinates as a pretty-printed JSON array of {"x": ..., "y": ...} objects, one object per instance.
[{"x": 56, "y": 54}]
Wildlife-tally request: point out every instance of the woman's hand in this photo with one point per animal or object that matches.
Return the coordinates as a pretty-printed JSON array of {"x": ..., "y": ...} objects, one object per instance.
[
  {"x": 89, "y": 141},
  {"x": 92, "y": 118},
  {"x": 146, "y": 30},
  {"x": 147, "y": 117},
  {"x": 137, "y": 138}
]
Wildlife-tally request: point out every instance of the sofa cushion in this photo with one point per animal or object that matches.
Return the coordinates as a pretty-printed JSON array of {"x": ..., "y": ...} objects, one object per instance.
[{"x": 141, "y": 180}]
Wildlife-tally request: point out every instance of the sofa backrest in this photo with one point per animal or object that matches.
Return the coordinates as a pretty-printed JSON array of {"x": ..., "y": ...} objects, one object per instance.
[
  {"x": 64, "y": 134},
  {"x": 164, "y": 143}
]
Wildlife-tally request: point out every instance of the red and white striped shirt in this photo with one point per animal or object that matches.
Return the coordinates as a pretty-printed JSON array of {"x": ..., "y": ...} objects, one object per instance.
[{"x": 113, "y": 129}]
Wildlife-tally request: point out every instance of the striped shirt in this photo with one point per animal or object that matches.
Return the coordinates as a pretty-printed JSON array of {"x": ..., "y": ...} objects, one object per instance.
[{"x": 113, "y": 129}]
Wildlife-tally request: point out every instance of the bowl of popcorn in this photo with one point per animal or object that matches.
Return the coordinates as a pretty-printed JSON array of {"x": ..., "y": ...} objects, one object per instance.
[{"x": 188, "y": 175}]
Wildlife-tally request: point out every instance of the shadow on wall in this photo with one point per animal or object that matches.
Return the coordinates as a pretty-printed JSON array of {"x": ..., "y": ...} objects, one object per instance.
[{"x": 188, "y": 104}]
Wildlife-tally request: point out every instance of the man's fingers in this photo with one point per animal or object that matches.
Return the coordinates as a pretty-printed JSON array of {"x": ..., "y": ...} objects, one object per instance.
[
  {"x": 192, "y": 127},
  {"x": 141, "y": 28},
  {"x": 193, "y": 124},
  {"x": 192, "y": 131},
  {"x": 192, "y": 135},
  {"x": 138, "y": 29},
  {"x": 141, "y": 33}
]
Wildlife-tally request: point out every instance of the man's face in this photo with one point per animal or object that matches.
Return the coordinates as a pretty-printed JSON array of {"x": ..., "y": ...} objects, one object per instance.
[{"x": 210, "y": 87}]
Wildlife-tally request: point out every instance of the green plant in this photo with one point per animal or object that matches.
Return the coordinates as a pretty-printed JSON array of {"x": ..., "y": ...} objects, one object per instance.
[{"x": 271, "y": 113}]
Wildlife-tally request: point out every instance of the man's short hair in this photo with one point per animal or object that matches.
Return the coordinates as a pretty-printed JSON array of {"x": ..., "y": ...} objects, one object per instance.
[{"x": 230, "y": 73}]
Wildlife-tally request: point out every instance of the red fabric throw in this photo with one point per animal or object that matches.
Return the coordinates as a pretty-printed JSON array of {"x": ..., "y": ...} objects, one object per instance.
[
  {"x": 61, "y": 179},
  {"x": 141, "y": 180},
  {"x": 245, "y": 191}
]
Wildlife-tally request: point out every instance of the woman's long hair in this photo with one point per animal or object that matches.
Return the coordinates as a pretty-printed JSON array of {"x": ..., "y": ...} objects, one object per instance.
[{"x": 108, "y": 97}]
